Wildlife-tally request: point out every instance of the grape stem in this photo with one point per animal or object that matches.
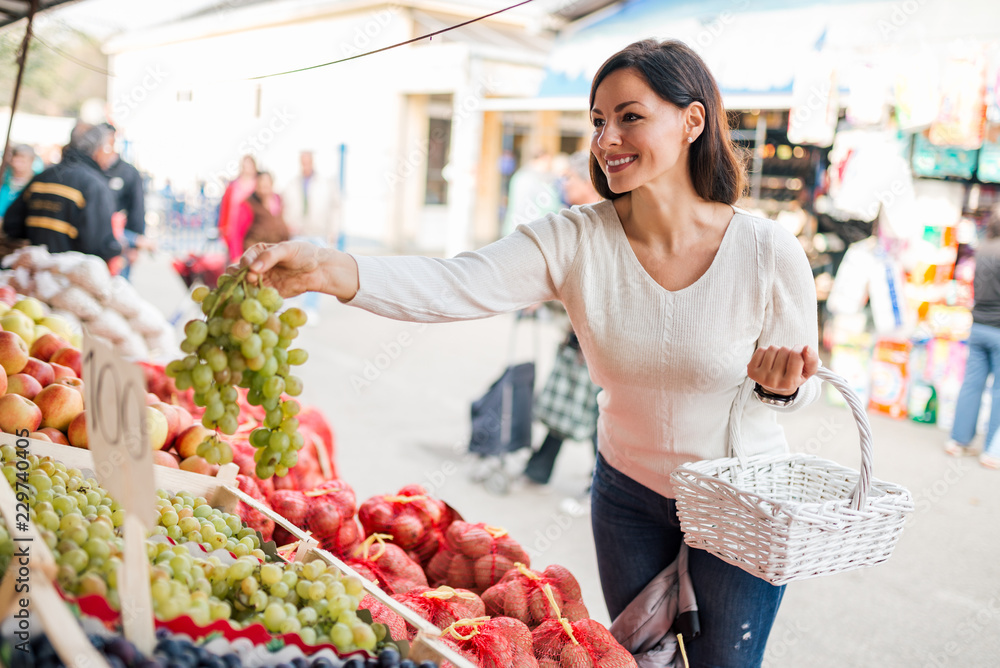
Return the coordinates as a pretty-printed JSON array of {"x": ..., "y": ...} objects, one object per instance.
[{"x": 228, "y": 290}]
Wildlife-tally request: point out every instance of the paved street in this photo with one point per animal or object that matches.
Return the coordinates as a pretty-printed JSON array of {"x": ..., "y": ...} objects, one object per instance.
[{"x": 398, "y": 394}]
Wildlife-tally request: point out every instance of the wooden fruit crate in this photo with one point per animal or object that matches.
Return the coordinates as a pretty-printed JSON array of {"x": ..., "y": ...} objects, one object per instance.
[{"x": 221, "y": 492}]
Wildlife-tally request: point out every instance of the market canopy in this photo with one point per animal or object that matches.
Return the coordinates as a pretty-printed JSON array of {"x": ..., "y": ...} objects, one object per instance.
[
  {"x": 756, "y": 49},
  {"x": 15, "y": 10}
]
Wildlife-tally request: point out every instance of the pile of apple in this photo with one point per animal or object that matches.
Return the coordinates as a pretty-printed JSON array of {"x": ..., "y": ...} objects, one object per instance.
[{"x": 41, "y": 386}]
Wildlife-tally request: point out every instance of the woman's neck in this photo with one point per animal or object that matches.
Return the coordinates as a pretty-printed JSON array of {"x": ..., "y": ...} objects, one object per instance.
[{"x": 671, "y": 220}]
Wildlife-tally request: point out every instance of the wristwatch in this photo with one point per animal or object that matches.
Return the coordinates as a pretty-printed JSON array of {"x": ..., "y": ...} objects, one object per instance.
[{"x": 772, "y": 399}]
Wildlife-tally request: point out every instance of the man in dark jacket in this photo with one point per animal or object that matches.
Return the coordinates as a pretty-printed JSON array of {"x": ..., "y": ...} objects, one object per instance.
[
  {"x": 126, "y": 186},
  {"x": 68, "y": 206}
]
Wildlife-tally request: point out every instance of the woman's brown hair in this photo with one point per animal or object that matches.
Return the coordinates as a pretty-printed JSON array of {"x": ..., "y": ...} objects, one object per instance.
[{"x": 680, "y": 76}]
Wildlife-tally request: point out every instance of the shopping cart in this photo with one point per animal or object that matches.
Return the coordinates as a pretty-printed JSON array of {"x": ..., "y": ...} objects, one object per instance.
[{"x": 502, "y": 418}]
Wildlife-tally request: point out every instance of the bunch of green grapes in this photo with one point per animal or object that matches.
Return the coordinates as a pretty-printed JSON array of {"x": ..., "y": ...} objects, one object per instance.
[{"x": 244, "y": 342}]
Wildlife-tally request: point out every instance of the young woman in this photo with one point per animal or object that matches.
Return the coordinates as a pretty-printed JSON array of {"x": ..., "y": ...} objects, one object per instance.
[{"x": 676, "y": 297}]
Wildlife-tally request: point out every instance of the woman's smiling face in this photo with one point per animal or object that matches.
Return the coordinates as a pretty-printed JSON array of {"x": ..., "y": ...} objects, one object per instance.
[{"x": 638, "y": 136}]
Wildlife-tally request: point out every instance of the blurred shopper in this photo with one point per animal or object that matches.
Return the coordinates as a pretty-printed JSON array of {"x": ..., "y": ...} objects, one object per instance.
[
  {"x": 567, "y": 404},
  {"x": 259, "y": 218},
  {"x": 68, "y": 206},
  {"x": 984, "y": 353},
  {"x": 236, "y": 193},
  {"x": 20, "y": 169},
  {"x": 313, "y": 213},
  {"x": 532, "y": 193},
  {"x": 129, "y": 219}
]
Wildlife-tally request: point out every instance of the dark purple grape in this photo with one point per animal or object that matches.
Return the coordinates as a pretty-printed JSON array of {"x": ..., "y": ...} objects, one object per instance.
[
  {"x": 322, "y": 662},
  {"x": 427, "y": 664},
  {"x": 406, "y": 663},
  {"x": 232, "y": 661},
  {"x": 114, "y": 661},
  {"x": 212, "y": 661},
  {"x": 354, "y": 662},
  {"x": 122, "y": 649},
  {"x": 388, "y": 658}
]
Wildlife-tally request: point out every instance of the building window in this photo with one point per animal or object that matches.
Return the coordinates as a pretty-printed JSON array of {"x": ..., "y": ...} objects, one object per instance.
[{"x": 438, "y": 144}]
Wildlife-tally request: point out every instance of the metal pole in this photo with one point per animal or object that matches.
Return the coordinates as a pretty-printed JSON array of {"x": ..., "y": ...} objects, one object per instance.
[
  {"x": 760, "y": 138},
  {"x": 22, "y": 58}
]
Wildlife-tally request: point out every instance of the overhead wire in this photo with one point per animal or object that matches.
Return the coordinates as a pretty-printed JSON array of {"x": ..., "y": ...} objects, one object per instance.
[{"x": 431, "y": 35}]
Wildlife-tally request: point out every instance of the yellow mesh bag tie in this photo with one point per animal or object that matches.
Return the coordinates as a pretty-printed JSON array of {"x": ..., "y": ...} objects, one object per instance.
[
  {"x": 322, "y": 492},
  {"x": 495, "y": 532},
  {"x": 405, "y": 499},
  {"x": 568, "y": 629},
  {"x": 364, "y": 547},
  {"x": 680, "y": 643},
  {"x": 552, "y": 601},
  {"x": 475, "y": 623},
  {"x": 444, "y": 592},
  {"x": 526, "y": 572}
]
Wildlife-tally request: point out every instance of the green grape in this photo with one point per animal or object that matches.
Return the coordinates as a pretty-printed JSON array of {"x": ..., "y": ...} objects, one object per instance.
[
  {"x": 253, "y": 312},
  {"x": 270, "y": 298},
  {"x": 256, "y": 363},
  {"x": 297, "y": 356},
  {"x": 290, "y": 408},
  {"x": 274, "y": 616},
  {"x": 268, "y": 338},
  {"x": 294, "y": 317},
  {"x": 259, "y": 437},
  {"x": 199, "y": 294},
  {"x": 289, "y": 459},
  {"x": 216, "y": 358},
  {"x": 342, "y": 636},
  {"x": 241, "y": 330},
  {"x": 196, "y": 331},
  {"x": 270, "y": 367},
  {"x": 251, "y": 347},
  {"x": 201, "y": 377},
  {"x": 214, "y": 411},
  {"x": 293, "y": 386},
  {"x": 228, "y": 424},
  {"x": 273, "y": 387},
  {"x": 278, "y": 441}
]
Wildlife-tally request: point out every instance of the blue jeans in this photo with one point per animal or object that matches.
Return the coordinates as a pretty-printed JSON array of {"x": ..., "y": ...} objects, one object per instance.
[
  {"x": 984, "y": 359},
  {"x": 637, "y": 535}
]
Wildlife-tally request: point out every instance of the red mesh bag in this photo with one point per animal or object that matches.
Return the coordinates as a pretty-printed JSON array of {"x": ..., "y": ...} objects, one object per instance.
[
  {"x": 410, "y": 517},
  {"x": 387, "y": 565},
  {"x": 475, "y": 557},
  {"x": 500, "y": 642},
  {"x": 582, "y": 644},
  {"x": 442, "y": 606},
  {"x": 330, "y": 516},
  {"x": 521, "y": 594},
  {"x": 293, "y": 506},
  {"x": 251, "y": 516},
  {"x": 382, "y": 614}
]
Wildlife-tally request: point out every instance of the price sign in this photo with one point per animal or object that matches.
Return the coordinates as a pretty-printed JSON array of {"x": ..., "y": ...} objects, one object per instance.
[
  {"x": 116, "y": 429},
  {"x": 123, "y": 462}
]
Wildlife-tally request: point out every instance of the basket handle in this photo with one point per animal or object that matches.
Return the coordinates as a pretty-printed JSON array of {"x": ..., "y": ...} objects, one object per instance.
[{"x": 860, "y": 494}]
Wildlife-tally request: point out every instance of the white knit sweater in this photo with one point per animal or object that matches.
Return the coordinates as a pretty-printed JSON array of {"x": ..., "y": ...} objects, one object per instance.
[{"x": 669, "y": 362}]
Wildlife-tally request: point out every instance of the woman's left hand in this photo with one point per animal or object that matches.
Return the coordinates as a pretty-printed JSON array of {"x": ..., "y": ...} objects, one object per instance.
[{"x": 782, "y": 370}]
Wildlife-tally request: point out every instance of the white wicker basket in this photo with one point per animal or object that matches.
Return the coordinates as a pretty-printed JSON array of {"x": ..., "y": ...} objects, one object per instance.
[{"x": 793, "y": 516}]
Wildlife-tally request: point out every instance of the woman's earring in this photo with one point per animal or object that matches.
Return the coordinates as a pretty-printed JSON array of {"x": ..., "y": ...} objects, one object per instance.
[{"x": 690, "y": 140}]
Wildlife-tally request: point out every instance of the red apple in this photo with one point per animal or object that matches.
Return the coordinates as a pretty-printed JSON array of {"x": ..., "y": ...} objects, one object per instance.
[
  {"x": 54, "y": 435},
  {"x": 59, "y": 404},
  {"x": 75, "y": 383},
  {"x": 39, "y": 436},
  {"x": 156, "y": 428},
  {"x": 61, "y": 371},
  {"x": 41, "y": 371},
  {"x": 77, "y": 431},
  {"x": 164, "y": 458},
  {"x": 24, "y": 385},
  {"x": 13, "y": 352},
  {"x": 17, "y": 412},
  {"x": 173, "y": 421},
  {"x": 184, "y": 418},
  {"x": 69, "y": 356},
  {"x": 187, "y": 442},
  {"x": 197, "y": 464},
  {"x": 8, "y": 295},
  {"x": 3, "y": 381},
  {"x": 45, "y": 345}
]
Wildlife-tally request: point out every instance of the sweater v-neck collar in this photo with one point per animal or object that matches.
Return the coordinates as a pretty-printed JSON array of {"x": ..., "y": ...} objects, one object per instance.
[{"x": 619, "y": 233}]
